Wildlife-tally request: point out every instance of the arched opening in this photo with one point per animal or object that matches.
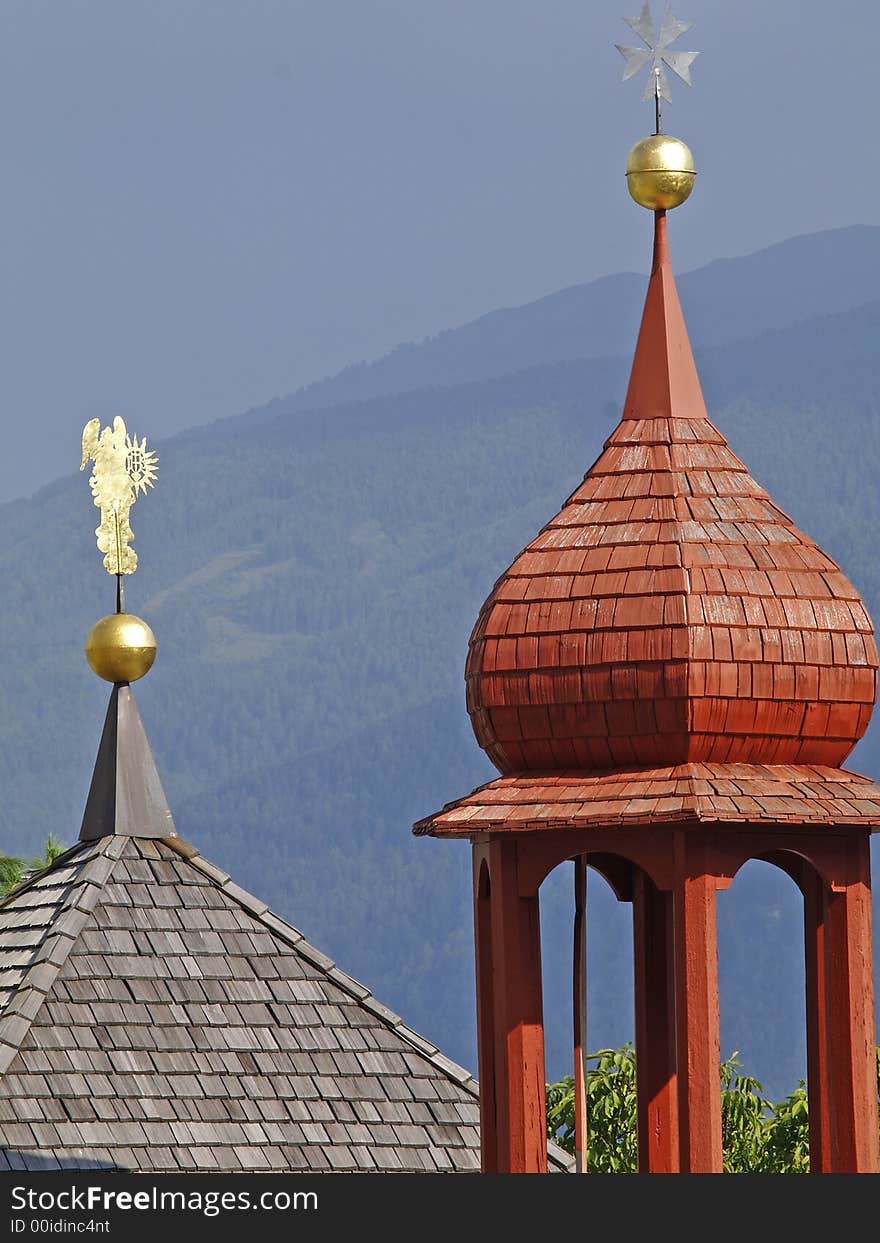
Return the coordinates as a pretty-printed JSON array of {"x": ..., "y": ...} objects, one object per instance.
[
  {"x": 670, "y": 980},
  {"x": 609, "y": 998},
  {"x": 763, "y": 1022}
]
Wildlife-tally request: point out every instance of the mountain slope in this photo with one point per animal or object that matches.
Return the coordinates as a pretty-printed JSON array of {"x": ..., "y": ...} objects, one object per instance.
[
  {"x": 727, "y": 300},
  {"x": 312, "y": 583}
]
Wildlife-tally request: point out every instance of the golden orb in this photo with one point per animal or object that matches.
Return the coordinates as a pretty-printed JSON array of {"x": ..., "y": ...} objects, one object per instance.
[
  {"x": 121, "y": 647},
  {"x": 660, "y": 172}
]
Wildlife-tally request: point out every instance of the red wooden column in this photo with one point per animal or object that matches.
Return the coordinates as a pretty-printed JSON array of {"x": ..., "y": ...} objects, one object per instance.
[
  {"x": 849, "y": 992},
  {"x": 697, "y": 1028},
  {"x": 485, "y": 1011},
  {"x": 510, "y": 1017},
  {"x": 656, "y": 1089},
  {"x": 814, "y": 890}
]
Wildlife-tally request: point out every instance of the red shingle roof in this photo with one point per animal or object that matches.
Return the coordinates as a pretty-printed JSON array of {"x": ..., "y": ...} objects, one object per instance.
[
  {"x": 708, "y": 793},
  {"x": 670, "y": 612}
]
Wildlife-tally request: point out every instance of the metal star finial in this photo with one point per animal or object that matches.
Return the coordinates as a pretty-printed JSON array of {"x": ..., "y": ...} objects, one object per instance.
[{"x": 657, "y": 54}]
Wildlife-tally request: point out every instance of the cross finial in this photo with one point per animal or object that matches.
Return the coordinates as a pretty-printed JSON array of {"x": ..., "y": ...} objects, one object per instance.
[{"x": 657, "y": 55}]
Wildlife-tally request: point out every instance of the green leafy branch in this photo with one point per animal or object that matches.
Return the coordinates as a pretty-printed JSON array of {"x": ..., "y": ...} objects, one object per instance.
[
  {"x": 13, "y": 870},
  {"x": 759, "y": 1136}
]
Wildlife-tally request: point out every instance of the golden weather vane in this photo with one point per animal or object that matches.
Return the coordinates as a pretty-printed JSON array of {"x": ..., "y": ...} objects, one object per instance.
[
  {"x": 123, "y": 468},
  {"x": 120, "y": 647}
]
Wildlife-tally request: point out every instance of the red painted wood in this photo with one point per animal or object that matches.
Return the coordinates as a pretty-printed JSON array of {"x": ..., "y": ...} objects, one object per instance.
[
  {"x": 670, "y": 676},
  {"x": 518, "y": 1027},
  {"x": 670, "y": 611},
  {"x": 698, "y": 1044},
  {"x": 763, "y": 795},
  {"x": 656, "y": 1084},
  {"x": 814, "y": 891},
  {"x": 485, "y": 1012},
  {"x": 632, "y": 848},
  {"x": 677, "y": 1005},
  {"x": 855, "y": 1147},
  {"x": 579, "y": 1011}
]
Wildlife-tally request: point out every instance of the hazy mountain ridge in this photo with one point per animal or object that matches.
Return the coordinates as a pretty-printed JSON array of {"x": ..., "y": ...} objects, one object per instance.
[
  {"x": 312, "y": 582},
  {"x": 727, "y": 300}
]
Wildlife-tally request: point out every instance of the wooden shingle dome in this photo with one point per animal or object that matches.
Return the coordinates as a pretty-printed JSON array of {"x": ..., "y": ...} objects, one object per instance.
[{"x": 670, "y": 612}]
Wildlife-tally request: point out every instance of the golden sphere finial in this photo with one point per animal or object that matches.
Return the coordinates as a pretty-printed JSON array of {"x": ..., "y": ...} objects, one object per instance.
[
  {"x": 660, "y": 172},
  {"x": 121, "y": 647}
]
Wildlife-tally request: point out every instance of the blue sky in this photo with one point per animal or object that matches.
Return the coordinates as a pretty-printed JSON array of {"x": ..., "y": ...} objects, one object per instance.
[{"x": 207, "y": 203}]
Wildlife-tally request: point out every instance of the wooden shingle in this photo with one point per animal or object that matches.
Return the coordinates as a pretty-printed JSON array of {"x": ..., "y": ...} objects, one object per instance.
[
  {"x": 193, "y": 1029},
  {"x": 669, "y": 551}
]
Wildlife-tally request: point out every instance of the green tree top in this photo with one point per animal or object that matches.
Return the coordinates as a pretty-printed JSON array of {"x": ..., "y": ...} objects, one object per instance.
[
  {"x": 14, "y": 870},
  {"x": 759, "y": 1137}
]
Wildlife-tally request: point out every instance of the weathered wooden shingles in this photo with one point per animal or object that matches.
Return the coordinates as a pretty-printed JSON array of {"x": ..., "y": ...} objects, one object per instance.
[
  {"x": 670, "y": 611},
  {"x": 777, "y": 794},
  {"x": 26, "y": 923},
  {"x": 163, "y": 1019}
]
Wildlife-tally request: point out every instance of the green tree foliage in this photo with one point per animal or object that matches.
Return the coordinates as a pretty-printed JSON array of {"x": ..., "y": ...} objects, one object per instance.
[
  {"x": 14, "y": 870},
  {"x": 786, "y": 1147},
  {"x": 611, "y": 1111},
  {"x": 758, "y": 1136},
  {"x": 743, "y": 1112}
]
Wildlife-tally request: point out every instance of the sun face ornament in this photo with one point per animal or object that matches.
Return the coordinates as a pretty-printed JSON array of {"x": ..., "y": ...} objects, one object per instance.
[{"x": 123, "y": 468}]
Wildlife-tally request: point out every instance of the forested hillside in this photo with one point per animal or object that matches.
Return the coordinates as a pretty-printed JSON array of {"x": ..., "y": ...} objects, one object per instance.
[
  {"x": 312, "y": 580},
  {"x": 728, "y": 300}
]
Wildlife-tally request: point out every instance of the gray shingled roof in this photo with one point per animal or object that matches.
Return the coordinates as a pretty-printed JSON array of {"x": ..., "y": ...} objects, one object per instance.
[{"x": 155, "y": 1017}]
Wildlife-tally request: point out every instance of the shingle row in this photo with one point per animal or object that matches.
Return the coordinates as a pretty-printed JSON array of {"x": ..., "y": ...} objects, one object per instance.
[{"x": 166, "y": 1020}]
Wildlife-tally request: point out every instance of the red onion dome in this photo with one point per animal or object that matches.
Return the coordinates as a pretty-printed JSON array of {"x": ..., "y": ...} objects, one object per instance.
[{"x": 670, "y": 612}]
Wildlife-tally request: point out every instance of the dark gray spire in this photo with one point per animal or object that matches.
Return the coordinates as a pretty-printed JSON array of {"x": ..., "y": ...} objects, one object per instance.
[{"x": 126, "y": 796}]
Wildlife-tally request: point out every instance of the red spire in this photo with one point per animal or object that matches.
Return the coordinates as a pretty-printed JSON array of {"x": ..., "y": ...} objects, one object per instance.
[
  {"x": 664, "y": 376},
  {"x": 670, "y": 612}
]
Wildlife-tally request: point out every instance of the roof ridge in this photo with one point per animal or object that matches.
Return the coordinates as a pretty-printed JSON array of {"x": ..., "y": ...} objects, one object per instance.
[
  {"x": 30, "y": 993},
  {"x": 296, "y": 940},
  {"x": 79, "y": 890}
]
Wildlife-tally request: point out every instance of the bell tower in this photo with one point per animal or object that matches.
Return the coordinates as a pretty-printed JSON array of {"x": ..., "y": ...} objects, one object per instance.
[{"x": 669, "y": 678}]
